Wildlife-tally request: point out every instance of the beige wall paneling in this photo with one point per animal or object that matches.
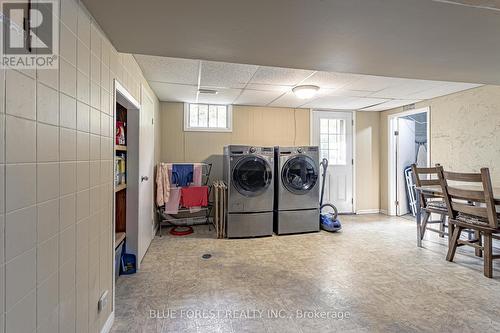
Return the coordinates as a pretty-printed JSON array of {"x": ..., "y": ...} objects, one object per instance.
[
  {"x": 268, "y": 127},
  {"x": 367, "y": 129},
  {"x": 260, "y": 126}
]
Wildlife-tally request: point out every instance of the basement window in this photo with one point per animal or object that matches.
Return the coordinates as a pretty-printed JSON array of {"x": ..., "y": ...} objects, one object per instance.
[{"x": 207, "y": 117}]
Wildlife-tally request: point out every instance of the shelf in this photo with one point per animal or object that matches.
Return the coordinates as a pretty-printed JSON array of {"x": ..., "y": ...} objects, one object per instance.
[
  {"x": 120, "y": 148},
  {"x": 120, "y": 187},
  {"x": 119, "y": 237}
]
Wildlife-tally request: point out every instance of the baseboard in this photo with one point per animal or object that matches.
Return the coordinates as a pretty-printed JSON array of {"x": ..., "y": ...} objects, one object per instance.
[
  {"x": 368, "y": 211},
  {"x": 384, "y": 211},
  {"x": 109, "y": 323},
  {"x": 155, "y": 229}
]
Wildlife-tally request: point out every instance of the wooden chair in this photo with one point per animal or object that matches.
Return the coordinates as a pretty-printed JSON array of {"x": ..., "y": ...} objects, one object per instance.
[
  {"x": 480, "y": 216},
  {"x": 430, "y": 203}
]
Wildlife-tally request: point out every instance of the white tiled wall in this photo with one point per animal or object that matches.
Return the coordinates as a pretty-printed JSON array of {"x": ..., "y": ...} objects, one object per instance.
[{"x": 56, "y": 190}]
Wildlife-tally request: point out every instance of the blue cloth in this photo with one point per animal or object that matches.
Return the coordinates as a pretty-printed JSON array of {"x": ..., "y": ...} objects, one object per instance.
[{"x": 182, "y": 174}]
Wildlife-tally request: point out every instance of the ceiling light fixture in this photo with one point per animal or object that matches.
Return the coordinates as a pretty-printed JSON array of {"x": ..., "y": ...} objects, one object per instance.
[{"x": 305, "y": 91}]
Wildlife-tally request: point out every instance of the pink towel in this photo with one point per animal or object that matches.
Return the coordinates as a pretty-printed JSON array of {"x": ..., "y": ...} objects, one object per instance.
[
  {"x": 197, "y": 179},
  {"x": 172, "y": 206},
  {"x": 197, "y": 174}
]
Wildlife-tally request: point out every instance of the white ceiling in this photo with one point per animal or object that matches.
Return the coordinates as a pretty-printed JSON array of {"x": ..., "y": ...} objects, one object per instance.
[
  {"x": 445, "y": 40},
  {"x": 178, "y": 80}
]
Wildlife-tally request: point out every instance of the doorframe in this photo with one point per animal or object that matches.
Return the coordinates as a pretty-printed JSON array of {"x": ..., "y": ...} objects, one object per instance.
[
  {"x": 145, "y": 92},
  {"x": 391, "y": 149},
  {"x": 121, "y": 94},
  {"x": 353, "y": 164}
]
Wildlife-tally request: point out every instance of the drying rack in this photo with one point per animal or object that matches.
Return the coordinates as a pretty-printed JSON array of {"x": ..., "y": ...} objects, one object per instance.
[{"x": 184, "y": 217}]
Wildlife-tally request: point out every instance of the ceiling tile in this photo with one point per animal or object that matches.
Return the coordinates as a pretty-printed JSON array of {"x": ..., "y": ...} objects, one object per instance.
[
  {"x": 171, "y": 70},
  {"x": 343, "y": 103},
  {"x": 330, "y": 80},
  {"x": 372, "y": 83},
  {"x": 280, "y": 76},
  {"x": 289, "y": 100},
  {"x": 257, "y": 97},
  {"x": 350, "y": 93},
  {"x": 223, "y": 96},
  {"x": 406, "y": 87},
  {"x": 395, "y": 103},
  {"x": 446, "y": 89},
  {"x": 268, "y": 87},
  {"x": 174, "y": 92},
  {"x": 226, "y": 75}
]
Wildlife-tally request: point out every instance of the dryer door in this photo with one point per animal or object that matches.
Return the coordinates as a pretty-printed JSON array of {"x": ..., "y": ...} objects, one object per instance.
[
  {"x": 299, "y": 174},
  {"x": 252, "y": 175}
]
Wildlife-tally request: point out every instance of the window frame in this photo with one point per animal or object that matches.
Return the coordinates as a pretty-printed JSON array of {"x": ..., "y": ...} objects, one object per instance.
[
  {"x": 342, "y": 135},
  {"x": 229, "y": 118}
]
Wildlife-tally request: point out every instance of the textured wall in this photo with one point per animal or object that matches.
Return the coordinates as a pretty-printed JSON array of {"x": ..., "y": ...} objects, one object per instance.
[
  {"x": 465, "y": 132},
  {"x": 56, "y": 182}
]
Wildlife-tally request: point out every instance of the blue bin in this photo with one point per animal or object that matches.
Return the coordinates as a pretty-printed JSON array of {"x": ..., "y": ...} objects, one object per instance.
[{"x": 128, "y": 264}]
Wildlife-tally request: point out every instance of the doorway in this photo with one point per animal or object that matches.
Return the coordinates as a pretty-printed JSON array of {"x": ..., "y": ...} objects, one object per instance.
[
  {"x": 409, "y": 143},
  {"x": 332, "y": 132}
]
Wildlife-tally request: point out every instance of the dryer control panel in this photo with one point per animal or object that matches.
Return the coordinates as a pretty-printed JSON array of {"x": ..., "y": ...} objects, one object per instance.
[{"x": 249, "y": 150}]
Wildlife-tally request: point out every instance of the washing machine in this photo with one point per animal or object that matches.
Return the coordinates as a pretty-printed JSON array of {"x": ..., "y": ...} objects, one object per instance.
[
  {"x": 248, "y": 173},
  {"x": 297, "y": 190}
]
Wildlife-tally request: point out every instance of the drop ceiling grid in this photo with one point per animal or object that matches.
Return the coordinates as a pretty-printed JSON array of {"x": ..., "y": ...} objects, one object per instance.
[{"x": 179, "y": 80}]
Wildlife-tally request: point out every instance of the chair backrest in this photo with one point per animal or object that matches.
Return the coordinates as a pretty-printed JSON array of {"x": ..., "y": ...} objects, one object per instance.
[
  {"x": 470, "y": 194},
  {"x": 425, "y": 177}
]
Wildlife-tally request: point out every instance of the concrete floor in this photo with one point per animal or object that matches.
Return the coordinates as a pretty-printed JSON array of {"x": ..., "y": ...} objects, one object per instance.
[{"x": 371, "y": 274}]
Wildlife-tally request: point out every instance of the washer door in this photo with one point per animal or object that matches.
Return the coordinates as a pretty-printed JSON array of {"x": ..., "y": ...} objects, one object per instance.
[
  {"x": 299, "y": 174},
  {"x": 252, "y": 175}
]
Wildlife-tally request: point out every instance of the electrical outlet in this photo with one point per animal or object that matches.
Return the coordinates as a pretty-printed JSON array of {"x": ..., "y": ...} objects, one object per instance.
[{"x": 103, "y": 301}]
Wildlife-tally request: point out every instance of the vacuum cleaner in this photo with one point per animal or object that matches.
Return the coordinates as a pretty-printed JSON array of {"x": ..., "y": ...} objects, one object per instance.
[{"x": 328, "y": 221}]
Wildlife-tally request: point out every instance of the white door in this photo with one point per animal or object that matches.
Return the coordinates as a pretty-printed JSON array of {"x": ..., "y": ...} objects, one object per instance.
[
  {"x": 146, "y": 173},
  {"x": 332, "y": 132},
  {"x": 405, "y": 156}
]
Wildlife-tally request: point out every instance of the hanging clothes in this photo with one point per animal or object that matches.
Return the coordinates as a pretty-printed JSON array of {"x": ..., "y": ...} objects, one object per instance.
[
  {"x": 182, "y": 174},
  {"x": 172, "y": 206},
  {"x": 194, "y": 196},
  {"x": 422, "y": 155},
  {"x": 197, "y": 174},
  {"x": 162, "y": 184}
]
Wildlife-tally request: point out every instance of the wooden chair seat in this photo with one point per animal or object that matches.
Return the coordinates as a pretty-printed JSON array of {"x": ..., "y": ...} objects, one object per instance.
[
  {"x": 475, "y": 220},
  {"x": 473, "y": 223},
  {"x": 436, "y": 206}
]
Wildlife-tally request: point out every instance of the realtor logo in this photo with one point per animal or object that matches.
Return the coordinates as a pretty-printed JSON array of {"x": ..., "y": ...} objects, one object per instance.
[{"x": 30, "y": 34}]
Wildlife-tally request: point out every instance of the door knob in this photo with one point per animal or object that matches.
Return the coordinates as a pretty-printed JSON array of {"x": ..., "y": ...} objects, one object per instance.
[{"x": 144, "y": 178}]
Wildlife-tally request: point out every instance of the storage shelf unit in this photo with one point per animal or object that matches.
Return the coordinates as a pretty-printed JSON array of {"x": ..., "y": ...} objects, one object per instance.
[{"x": 121, "y": 188}]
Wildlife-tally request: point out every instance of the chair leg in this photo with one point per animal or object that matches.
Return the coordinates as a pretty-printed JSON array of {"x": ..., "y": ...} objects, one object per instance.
[
  {"x": 477, "y": 235},
  {"x": 488, "y": 255},
  {"x": 451, "y": 230},
  {"x": 441, "y": 225},
  {"x": 423, "y": 227},
  {"x": 452, "y": 247}
]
